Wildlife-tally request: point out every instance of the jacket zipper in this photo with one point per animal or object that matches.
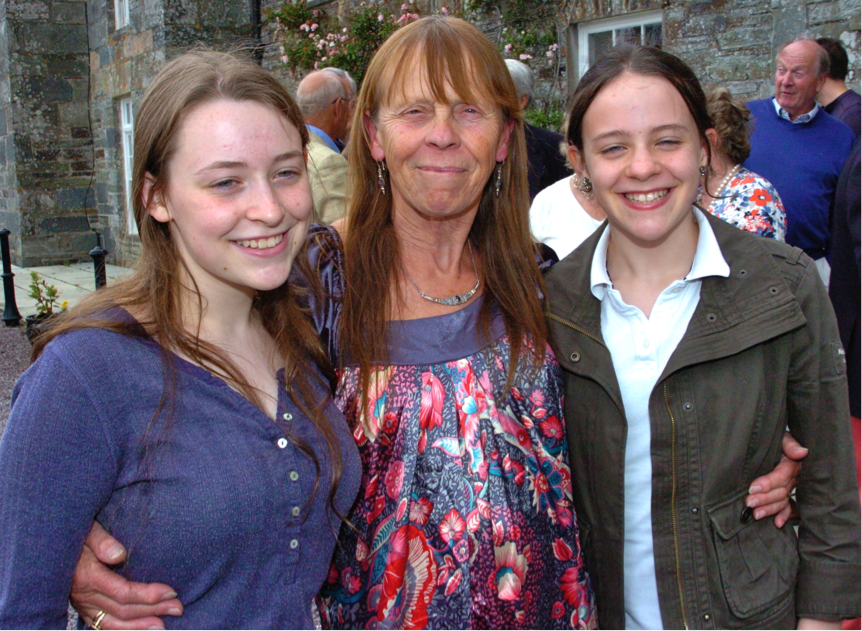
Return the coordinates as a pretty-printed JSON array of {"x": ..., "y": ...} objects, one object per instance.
[
  {"x": 574, "y": 326},
  {"x": 673, "y": 509},
  {"x": 674, "y": 517}
]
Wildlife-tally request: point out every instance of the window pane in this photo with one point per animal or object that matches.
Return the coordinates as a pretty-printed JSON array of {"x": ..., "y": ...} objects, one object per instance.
[
  {"x": 599, "y": 43},
  {"x": 652, "y": 35},
  {"x": 631, "y": 35}
]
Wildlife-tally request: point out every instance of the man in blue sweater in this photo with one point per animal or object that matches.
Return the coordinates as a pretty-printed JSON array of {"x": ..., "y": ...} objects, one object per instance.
[{"x": 800, "y": 148}]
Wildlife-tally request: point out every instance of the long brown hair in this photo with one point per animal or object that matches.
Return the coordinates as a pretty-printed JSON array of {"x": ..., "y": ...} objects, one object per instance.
[
  {"x": 453, "y": 52},
  {"x": 154, "y": 291}
]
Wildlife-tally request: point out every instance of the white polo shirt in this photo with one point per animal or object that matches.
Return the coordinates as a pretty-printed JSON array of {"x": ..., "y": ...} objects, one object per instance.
[{"x": 640, "y": 348}]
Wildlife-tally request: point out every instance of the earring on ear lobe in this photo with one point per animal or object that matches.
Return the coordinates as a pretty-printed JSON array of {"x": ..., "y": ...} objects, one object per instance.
[
  {"x": 703, "y": 171},
  {"x": 583, "y": 184},
  {"x": 498, "y": 183},
  {"x": 381, "y": 182}
]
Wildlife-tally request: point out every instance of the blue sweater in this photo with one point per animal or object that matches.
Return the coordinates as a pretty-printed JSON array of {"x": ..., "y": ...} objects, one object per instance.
[
  {"x": 803, "y": 162},
  {"x": 220, "y": 511}
]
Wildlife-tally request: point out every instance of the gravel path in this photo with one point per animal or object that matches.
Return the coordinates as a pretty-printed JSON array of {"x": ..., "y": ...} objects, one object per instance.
[{"x": 14, "y": 360}]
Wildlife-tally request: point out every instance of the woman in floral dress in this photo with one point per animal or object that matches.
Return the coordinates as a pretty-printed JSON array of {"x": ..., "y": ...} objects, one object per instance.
[
  {"x": 733, "y": 193},
  {"x": 465, "y": 518}
]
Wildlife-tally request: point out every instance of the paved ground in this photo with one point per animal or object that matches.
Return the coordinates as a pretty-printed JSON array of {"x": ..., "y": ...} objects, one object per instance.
[{"x": 73, "y": 282}]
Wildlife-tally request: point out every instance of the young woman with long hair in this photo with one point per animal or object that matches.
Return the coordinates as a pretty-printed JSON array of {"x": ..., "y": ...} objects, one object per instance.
[
  {"x": 188, "y": 408},
  {"x": 687, "y": 346}
]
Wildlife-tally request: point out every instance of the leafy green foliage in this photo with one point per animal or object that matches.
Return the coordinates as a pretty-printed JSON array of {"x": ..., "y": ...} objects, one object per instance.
[
  {"x": 310, "y": 38},
  {"x": 549, "y": 117},
  {"x": 46, "y": 296}
]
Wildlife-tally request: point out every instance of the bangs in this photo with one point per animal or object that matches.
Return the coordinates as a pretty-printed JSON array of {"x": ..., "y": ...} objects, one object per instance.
[{"x": 446, "y": 54}]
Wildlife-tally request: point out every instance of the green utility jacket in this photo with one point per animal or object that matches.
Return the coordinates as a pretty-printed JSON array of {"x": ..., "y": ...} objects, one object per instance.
[{"x": 761, "y": 353}]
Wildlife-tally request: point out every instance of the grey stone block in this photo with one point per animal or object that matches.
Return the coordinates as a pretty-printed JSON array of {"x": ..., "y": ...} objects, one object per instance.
[
  {"x": 46, "y": 89},
  {"x": 101, "y": 194},
  {"x": 106, "y": 55},
  {"x": 45, "y": 38},
  {"x": 75, "y": 198},
  {"x": 64, "y": 224},
  {"x": 69, "y": 12}
]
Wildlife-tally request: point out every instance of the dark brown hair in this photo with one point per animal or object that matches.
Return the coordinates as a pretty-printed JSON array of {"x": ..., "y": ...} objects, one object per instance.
[
  {"x": 838, "y": 61},
  {"x": 732, "y": 122},
  {"x": 642, "y": 60},
  {"x": 154, "y": 292},
  {"x": 450, "y": 52}
]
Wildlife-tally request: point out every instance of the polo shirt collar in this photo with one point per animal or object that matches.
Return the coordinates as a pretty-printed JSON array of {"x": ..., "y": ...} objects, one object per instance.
[
  {"x": 708, "y": 259},
  {"x": 804, "y": 118}
]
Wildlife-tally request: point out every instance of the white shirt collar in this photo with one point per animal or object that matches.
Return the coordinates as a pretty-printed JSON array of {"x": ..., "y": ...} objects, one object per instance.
[
  {"x": 803, "y": 118},
  {"x": 708, "y": 259}
]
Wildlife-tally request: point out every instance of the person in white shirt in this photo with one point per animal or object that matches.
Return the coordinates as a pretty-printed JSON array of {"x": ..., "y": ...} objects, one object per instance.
[{"x": 562, "y": 215}]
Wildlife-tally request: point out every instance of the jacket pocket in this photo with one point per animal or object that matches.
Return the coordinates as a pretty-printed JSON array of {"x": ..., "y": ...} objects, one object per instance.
[{"x": 757, "y": 562}]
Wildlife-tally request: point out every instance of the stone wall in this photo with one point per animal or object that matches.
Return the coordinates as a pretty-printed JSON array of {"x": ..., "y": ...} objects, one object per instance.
[
  {"x": 731, "y": 42},
  {"x": 47, "y": 122},
  {"x": 9, "y": 216},
  {"x": 734, "y": 42}
]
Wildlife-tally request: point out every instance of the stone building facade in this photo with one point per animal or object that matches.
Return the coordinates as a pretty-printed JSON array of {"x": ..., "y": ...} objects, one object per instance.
[
  {"x": 46, "y": 151},
  {"x": 72, "y": 71},
  {"x": 66, "y": 69},
  {"x": 727, "y": 42}
]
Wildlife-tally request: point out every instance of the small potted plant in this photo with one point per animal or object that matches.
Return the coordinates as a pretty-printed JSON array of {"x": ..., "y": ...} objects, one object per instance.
[{"x": 47, "y": 304}]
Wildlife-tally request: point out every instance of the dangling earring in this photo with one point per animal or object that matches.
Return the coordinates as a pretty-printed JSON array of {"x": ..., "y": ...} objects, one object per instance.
[
  {"x": 703, "y": 171},
  {"x": 498, "y": 184},
  {"x": 381, "y": 169}
]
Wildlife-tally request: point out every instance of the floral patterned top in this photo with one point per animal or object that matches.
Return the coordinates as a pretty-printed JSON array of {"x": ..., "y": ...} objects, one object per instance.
[
  {"x": 465, "y": 519},
  {"x": 750, "y": 202}
]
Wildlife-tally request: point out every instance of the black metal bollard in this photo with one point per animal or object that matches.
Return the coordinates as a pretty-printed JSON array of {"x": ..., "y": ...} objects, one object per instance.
[
  {"x": 11, "y": 317},
  {"x": 98, "y": 254}
]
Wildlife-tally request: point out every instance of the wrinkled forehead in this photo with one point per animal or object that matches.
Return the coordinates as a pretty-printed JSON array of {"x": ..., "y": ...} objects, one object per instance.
[{"x": 441, "y": 78}]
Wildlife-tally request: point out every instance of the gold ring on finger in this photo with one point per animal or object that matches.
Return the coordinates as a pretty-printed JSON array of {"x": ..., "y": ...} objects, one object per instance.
[{"x": 97, "y": 621}]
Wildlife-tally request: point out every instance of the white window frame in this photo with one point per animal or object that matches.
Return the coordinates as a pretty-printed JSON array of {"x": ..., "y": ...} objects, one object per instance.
[
  {"x": 127, "y": 136},
  {"x": 585, "y": 29},
  {"x": 121, "y": 13}
]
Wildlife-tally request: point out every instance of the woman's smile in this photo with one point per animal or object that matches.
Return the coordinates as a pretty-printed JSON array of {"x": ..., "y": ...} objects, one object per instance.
[
  {"x": 264, "y": 245},
  {"x": 647, "y": 197}
]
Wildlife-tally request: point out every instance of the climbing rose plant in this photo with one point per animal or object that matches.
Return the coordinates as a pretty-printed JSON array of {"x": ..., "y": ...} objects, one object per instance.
[{"x": 311, "y": 38}]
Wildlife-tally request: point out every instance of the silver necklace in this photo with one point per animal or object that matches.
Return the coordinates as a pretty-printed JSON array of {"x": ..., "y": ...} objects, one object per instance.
[{"x": 451, "y": 301}]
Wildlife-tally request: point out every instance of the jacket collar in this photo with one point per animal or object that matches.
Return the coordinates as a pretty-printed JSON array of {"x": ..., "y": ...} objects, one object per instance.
[
  {"x": 753, "y": 304},
  {"x": 708, "y": 260}
]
